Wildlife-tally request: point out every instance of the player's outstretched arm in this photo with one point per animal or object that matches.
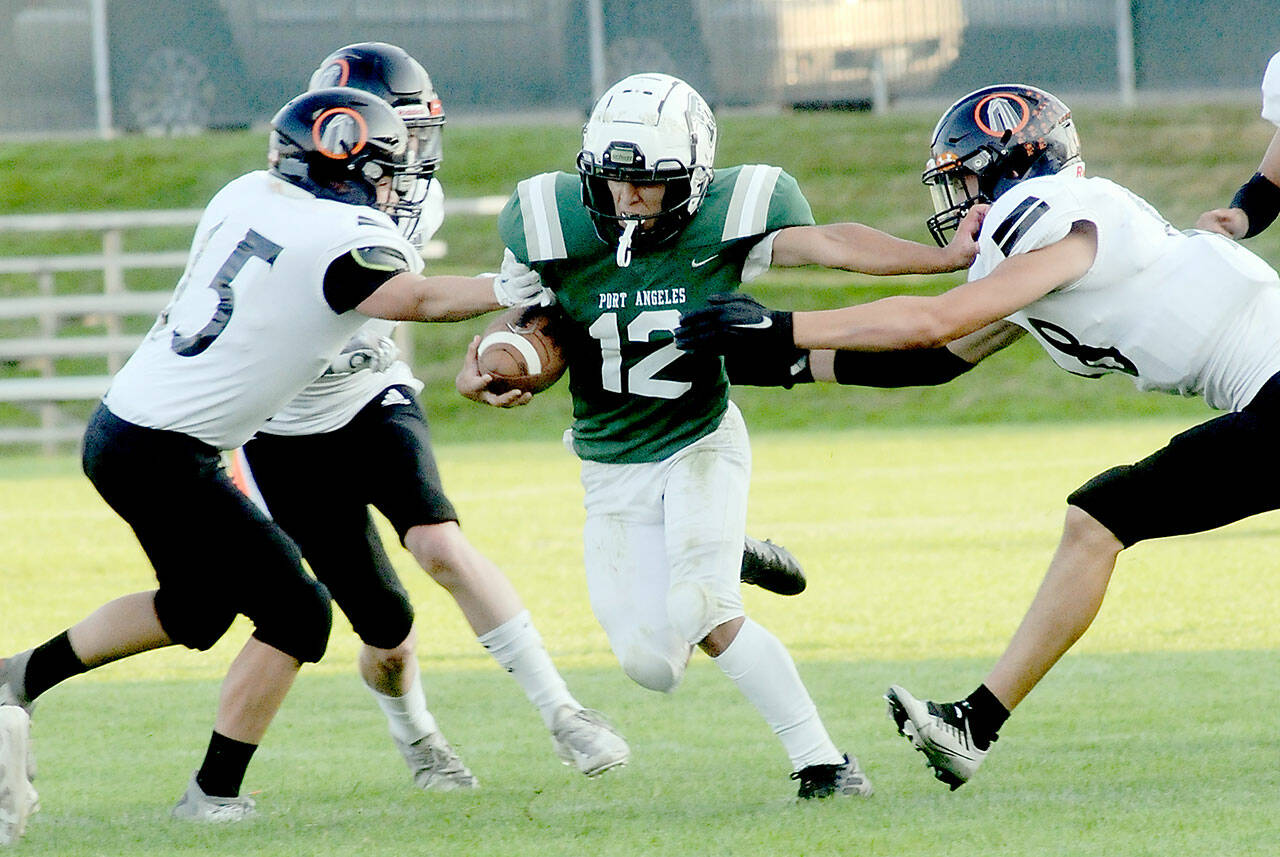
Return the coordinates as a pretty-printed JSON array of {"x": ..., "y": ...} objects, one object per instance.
[
  {"x": 865, "y": 250},
  {"x": 738, "y": 323},
  {"x": 411, "y": 297},
  {"x": 908, "y": 321},
  {"x": 1255, "y": 204},
  {"x": 764, "y": 355},
  {"x": 474, "y": 384}
]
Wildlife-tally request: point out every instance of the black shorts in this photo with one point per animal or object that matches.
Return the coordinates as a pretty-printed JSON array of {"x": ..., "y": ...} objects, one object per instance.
[
  {"x": 318, "y": 489},
  {"x": 215, "y": 554},
  {"x": 1208, "y": 476}
]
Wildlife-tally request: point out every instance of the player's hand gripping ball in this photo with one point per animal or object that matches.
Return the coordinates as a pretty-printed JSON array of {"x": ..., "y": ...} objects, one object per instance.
[{"x": 521, "y": 351}]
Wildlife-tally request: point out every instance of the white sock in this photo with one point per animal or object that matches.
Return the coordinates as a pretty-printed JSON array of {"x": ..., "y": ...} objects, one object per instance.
[
  {"x": 517, "y": 647},
  {"x": 762, "y": 668},
  {"x": 407, "y": 716}
]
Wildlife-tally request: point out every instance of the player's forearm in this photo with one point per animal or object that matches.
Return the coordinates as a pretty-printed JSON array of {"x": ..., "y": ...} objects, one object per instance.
[
  {"x": 450, "y": 298},
  {"x": 863, "y": 249},
  {"x": 884, "y": 325}
]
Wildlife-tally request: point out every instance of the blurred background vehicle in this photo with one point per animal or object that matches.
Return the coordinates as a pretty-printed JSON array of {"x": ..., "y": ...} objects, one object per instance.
[{"x": 177, "y": 65}]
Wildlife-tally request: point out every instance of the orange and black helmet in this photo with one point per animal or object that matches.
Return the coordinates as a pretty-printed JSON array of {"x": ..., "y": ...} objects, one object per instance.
[
  {"x": 1000, "y": 135},
  {"x": 338, "y": 143}
]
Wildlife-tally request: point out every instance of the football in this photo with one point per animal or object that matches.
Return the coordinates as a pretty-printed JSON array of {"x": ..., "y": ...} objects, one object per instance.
[{"x": 521, "y": 351}]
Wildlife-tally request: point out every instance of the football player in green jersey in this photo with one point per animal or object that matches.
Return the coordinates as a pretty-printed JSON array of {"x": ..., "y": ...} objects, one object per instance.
[{"x": 645, "y": 231}]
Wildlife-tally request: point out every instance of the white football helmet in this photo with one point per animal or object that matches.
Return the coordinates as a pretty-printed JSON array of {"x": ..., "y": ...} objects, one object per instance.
[{"x": 647, "y": 129}]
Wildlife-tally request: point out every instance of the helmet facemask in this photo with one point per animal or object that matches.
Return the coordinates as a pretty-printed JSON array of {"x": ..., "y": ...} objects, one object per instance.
[
  {"x": 411, "y": 183},
  {"x": 624, "y": 163},
  {"x": 955, "y": 187}
]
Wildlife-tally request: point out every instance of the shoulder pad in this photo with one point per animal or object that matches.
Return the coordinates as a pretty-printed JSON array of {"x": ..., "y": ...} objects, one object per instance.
[
  {"x": 543, "y": 233},
  {"x": 381, "y": 258},
  {"x": 1030, "y": 215},
  {"x": 1271, "y": 91},
  {"x": 763, "y": 199}
]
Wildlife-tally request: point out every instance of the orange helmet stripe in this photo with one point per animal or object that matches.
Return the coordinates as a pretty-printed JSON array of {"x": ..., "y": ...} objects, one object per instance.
[
  {"x": 317, "y": 128},
  {"x": 1005, "y": 96}
]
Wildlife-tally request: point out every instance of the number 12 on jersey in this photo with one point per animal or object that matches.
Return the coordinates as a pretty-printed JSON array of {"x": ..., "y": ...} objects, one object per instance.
[{"x": 640, "y": 380}]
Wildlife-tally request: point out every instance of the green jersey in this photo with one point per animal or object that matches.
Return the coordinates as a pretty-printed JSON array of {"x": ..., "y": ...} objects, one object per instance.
[{"x": 636, "y": 397}]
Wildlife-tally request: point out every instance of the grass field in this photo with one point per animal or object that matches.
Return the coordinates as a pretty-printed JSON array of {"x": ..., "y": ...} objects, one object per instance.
[
  {"x": 925, "y": 519},
  {"x": 1155, "y": 736}
]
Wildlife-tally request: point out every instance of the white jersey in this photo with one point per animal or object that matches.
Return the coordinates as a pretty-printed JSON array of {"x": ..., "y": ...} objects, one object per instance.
[
  {"x": 332, "y": 401},
  {"x": 1271, "y": 92},
  {"x": 248, "y": 325},
  {"x": 1188, "y": 313}
]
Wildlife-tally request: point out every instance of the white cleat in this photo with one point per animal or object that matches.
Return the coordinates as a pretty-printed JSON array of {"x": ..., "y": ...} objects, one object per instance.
[
  {"x": 195, "y": 805},
  {"x": 18, "y": 799},
  {"x": 435, "y": 765},
  {"x": 941, "y": 732},
  {"x": 585, "y": 739}
]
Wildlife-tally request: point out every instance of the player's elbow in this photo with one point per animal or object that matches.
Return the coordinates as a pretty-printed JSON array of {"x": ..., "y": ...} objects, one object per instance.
[{"x": 930, "y": 328}]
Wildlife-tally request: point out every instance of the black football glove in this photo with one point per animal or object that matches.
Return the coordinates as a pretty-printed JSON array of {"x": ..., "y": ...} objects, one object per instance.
[
  {"x": 756, "y": 341},
  {"x": 734, "y": 322}
]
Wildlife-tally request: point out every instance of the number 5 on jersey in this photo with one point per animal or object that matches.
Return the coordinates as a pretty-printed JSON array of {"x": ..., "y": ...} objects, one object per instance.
[{"x": 251, "y": 246}]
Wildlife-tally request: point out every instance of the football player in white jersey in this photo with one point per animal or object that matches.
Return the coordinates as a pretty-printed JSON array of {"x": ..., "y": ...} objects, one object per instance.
[
  {"x": 1104, "y": 284},
  {"x": 1257, "y": 202},
  {"x": 645, "y": 229},
  {"x": 372, "y": 416},
  {"x": 286, "y": 265}
]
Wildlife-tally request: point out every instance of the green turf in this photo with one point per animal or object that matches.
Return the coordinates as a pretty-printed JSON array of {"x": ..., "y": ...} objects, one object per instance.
[{"x": 1153, "y": 737}]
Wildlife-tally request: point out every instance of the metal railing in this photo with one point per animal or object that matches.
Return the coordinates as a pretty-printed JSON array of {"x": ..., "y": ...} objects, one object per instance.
[{"x": 39, "y": 351}]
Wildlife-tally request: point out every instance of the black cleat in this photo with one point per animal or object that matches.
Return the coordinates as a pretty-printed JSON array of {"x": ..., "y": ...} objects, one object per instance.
[
  {"x": 771, "y": 567},
  {"x": 846, "y": 778}
]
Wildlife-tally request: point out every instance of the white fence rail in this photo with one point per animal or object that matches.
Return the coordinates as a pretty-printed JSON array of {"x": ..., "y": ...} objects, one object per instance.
[{"x": 30, "y": 379}]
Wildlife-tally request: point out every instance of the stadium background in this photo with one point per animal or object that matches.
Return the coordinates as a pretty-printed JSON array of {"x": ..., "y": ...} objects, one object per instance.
[
  {"x": 1156, "y": 735},
  {"x": 179, "y": 63},
  {"x": 1178, "y": 123}
]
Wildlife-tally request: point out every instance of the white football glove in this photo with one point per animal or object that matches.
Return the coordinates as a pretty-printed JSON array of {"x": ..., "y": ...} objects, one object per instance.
[
  {"x": 519, "y": 285},
  {"x": 376, "y": 354}
]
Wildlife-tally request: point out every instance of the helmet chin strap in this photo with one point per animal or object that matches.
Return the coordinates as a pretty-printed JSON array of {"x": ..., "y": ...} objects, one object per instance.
[{"x": 624, "y": 244}]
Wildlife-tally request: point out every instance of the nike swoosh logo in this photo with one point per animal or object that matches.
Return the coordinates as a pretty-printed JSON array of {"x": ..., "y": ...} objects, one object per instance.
[
  {"x": 763, "y": 324},
  {"x": 698, "y": 263}
]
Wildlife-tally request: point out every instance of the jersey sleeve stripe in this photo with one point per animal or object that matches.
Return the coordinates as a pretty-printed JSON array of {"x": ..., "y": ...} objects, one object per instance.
[
  {"x": 1027, "y": 222},
  {"x": 1022, "y": 223},
  {"x": 749, "y": 205},
  {"x": 543, "y": 234}
]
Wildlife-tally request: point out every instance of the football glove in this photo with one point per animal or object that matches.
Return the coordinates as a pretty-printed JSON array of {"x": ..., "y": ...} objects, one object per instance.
[
  {"x": 375, "y": 354},
  {"x": 740, "y": 324},
  {"x": 516, "y": 284}
]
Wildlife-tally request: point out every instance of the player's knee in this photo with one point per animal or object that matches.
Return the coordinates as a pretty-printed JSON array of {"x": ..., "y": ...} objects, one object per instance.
[
  {"x": 1083, "y": 530},
  {"x": 300, "y": 626},
  {"x": 384, "y": 622},
  {"x": 652, "y": 668},
  {"x": 190, "y": 621},
  {"x": 391, "y": 660},
  {"x": 440, "y": 549},
  {"x": 691, "y": 610}
]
